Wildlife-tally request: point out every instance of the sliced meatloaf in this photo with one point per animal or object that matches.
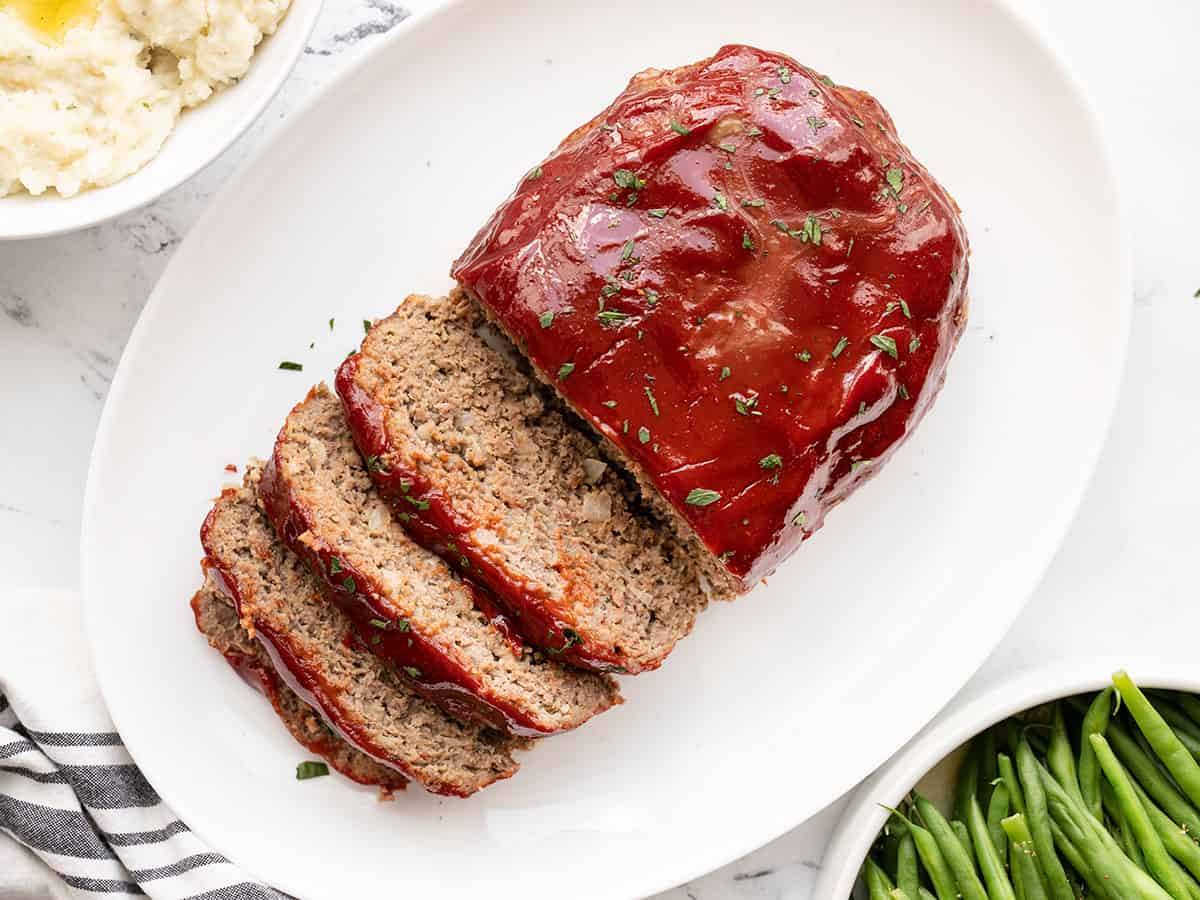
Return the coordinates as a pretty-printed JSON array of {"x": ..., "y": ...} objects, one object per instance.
[
  {"x": 481, "y": 469},
  {"x": 411, "y": 608},
  {"x": 311, "y": 646},
  {"x": 217, "y": 620},
  {"x": 742, "y": 261}
]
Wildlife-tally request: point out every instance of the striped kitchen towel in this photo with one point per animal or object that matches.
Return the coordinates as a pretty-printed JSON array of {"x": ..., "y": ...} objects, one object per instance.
[{"x": 69, "y": 791}]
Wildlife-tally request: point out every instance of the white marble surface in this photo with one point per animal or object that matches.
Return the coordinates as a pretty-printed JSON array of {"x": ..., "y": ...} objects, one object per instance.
[{"x": 1124, "y": 578}]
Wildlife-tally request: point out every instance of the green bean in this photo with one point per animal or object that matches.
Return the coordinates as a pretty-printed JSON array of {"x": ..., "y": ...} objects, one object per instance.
[
  {"x": 960, "y": 832},
  {"x": 1175, "y": 839},
  {"x": 957, "y": 858},
  {"x": 1158, "y": 861},
  {"x": 1187, "y": 732},
  {"x": 1026, "y": 878},
  {"x": 987, "y": 768},
  {"x": 1179, "y": 762},
  {"x": 1146, "y": 772},
  {"x": 991, "y": 860},
  {"x": 1097, "y": 846},
  {"x": 898, "y": 894},
  {"x": 1039, "y": 824},
  {"x": 998, "y": 810},
  {"x": 1009, "y": 774},
  {"x": 1059, "y": 756},
  {"x": 925, "y": 895},
  {"x": 908, "y": 875},
  {"x": 968, "y": 780},
  {"x": 1095, "y": 721},
  {"x": 878, "y": 883},
  {"x": 931, "y": 857},
  {"x": 1076, "y": 861}
]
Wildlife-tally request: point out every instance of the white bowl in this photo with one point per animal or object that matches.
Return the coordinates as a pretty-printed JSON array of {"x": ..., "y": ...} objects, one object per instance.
[
  {"x": 978, "y": 707},
  {"x": 201, "y": 135}
]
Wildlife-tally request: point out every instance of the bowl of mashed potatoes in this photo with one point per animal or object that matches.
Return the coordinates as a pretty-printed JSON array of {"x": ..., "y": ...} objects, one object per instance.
[{"x": 107, "y": 104}]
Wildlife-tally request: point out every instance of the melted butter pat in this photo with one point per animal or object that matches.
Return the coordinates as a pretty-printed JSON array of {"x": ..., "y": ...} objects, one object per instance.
[{"x": 52, "y": 18}]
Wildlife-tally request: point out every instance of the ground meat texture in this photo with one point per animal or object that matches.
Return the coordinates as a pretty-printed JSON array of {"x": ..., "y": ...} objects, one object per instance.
[
  {"x": 445, "y": 633},
  {"x": 483, "y": 470},
  {"x": 742, "y": 279},
  {"x": 357, "y": 694},
  {"x": 217, "y": 620}
]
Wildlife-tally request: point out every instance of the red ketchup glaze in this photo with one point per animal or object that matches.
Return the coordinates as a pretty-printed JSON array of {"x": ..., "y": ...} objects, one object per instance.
[
  {"x": 379, "y": 629},
  {"x": 266, "y": 680},
  {"x": 431, "y": 520},
  {"x": 739, "y": 276}
]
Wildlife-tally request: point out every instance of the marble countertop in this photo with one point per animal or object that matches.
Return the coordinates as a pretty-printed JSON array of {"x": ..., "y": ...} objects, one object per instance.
[{"x": 1124, "y": 578}]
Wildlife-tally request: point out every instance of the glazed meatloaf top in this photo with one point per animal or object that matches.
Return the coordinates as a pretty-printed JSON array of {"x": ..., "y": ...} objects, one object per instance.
[
  {"x": 739, "y": 276},
  {"x": 483, "y": 470},
  {"x": 312, "y": 646},
  {"x": 217, "y": 620},
  {"x": 411, "y": 608}
]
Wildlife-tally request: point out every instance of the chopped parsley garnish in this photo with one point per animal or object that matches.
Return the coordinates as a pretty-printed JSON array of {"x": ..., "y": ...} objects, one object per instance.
[
  {"x": 311, "y": 769},
  {"x": 535, "y": 173},
  {"x": 780, "y": 224},
  {"x": 546, "y": 319},
  {"x": 650, "y": 397},
  {"x": 913, "y": 345},
  {"x": 644, "y": 434},
  {"x": 753, "y": 131},
  {"x": 903, "y": 391},
  {"x": 804, "y": 356},
  {"x": 842, "y": 344},
  {"x": 798, "y": 519},
  {"x": 895, "y": 180},
  {"x": 680, "y": 129},
  {"x": 604, "y": 126},
  {"x": 612, "y": 286},
  {"x": 380, "y": 623},
  {"x": 627, "y": 249},
  {"x": 702, "y": 497},
  {"x": 374, "y": 465},
  {"x": 886, "y": 344},
  {"x": 331, "y": 324},
  {"x": 747, "y": 242},
  {"x": 725, "y": 373},
  {"x": 290, "y": 366},
  {"x": 746, "y": 407},
  {"x": 815, "y": 123},
  {"x": 564, "y": 370},
  {"x": 625, "y": 427},
  {"x": 728, "y": 148},
  {"x": 857, "y": 121},
  {"x": 754, "y": 203},
  {"x": 785, "y": 74},
  {"x": 719, "y": 199},
  {"x": 366, "y": 326},
  {"x": 412, "y": 671},
  {"x": 827, "y": 81},
  {"x": 335, "y": 565},
  {"x": 771, "y": 461},
  {"x": 659, "y": 213},
  {"x": 611, "y": 315},
  {"x": 419, "y": 504},
  {"x": 349, "y": 584},
  {"x": 811, "y": 231},
  {"x": 651, "y": 297},
  {"x": 626, "y": 179},
  {"x": 611, "y": 404}
]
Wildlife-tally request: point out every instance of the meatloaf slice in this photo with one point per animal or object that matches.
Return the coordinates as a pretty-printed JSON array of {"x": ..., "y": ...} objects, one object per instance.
[
  {"x": 309, "y": 642},
  {"x": 410, "y": 606},
  {"x": 217, "y": 620},
  {"x": 485, "y": 472}
]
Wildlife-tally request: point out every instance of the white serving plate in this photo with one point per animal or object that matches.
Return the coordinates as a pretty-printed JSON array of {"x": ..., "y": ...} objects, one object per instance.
[
  {"x": 776, "y": 704},
  {"x": 201, "y": 135},
  {"x": 983, "y": 704}
]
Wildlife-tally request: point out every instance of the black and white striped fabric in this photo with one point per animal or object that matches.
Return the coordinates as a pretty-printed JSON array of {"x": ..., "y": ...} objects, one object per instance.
[{"x": 78, "y": 802}]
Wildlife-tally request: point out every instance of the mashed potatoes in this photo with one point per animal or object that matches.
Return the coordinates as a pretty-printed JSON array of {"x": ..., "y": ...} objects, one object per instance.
[{"x": 88, "y": 100}]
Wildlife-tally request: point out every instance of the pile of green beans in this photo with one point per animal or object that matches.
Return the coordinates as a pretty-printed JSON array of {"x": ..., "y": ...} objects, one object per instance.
[{"x": 1095, "y": 796}]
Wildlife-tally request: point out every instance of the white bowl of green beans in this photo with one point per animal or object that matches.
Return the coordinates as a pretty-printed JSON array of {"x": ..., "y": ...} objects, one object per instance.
[{"x": 1064, "y": 782}]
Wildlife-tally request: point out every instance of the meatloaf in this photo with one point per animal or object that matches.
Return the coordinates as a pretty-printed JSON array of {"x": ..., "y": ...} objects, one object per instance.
[
  {"x": 312, "y": 646},
  {"x": 217, "y": 620},
  {"x": 411, "y": 608},
  {"x": 740, "y": 277},
  {"x": 484, "y": 471}
]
